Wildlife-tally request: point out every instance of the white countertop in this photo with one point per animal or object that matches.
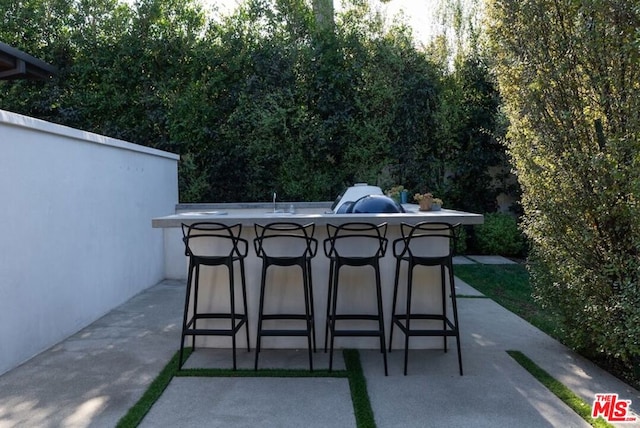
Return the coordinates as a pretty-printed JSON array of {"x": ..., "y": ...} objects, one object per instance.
[{"x": 320, "y": 216}]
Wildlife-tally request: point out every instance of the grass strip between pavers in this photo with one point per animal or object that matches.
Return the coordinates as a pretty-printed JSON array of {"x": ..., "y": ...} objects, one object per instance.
[
  {"x": 135, "y": 414},
  {"x": 359, "y": 394},
  {"x": 357, "y": 384},
  {"x": 576, "y": 403}
]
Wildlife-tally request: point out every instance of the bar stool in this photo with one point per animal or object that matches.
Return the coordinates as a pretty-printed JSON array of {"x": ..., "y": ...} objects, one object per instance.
[
  {"x": 214, "y": 244},
  {"x": 287, "y": 244},
  {"x": 426, "y": 244},
  {"x": 354, "y": 244}
]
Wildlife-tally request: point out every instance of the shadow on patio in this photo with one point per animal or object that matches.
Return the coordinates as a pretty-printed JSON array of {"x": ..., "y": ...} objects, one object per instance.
[{"x": 95, "y": 376}]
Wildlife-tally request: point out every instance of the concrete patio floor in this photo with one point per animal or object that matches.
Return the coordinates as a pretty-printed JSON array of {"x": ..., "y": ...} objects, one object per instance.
[{"x": 95, "y": 376}]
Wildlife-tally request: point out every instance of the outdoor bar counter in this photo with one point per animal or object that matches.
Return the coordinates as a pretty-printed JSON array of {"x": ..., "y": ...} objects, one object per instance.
[{"x": 357, "y": 295}]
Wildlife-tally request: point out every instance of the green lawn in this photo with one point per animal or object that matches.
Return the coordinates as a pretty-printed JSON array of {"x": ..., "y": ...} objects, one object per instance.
[
  {"x": 357, "y": 383},
  {"x": 508, "y": 285}
]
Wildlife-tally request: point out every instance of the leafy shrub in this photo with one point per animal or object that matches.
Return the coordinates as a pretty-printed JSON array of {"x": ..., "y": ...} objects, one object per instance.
[
  {"x": 574, "y": 139},
  {"x": 499, "y": 235},
  {"x": 461, "y": 240}
]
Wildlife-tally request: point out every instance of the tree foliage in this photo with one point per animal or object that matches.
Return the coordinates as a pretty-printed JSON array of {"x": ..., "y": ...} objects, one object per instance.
[
  {"x": 469, "y": 118},
  {"x": 264, "y": 99},
  {"x": 569, "y": 72}
]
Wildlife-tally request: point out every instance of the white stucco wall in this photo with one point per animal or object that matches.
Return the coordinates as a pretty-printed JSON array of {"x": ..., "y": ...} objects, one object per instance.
[{"x": 75, "y": 229}]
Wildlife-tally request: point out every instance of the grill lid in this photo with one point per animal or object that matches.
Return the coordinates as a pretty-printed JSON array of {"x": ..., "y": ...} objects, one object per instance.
[
  {"x": 352, "y": 194},
  {"x": 376, "y": 204}
]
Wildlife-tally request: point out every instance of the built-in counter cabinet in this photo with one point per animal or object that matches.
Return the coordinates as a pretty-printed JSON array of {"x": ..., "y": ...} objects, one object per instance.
[{"x": 359, "y": 293}]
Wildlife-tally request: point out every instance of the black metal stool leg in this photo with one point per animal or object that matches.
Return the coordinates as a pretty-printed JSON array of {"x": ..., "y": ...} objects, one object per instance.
[
  {"x": 244, "y": 301},
  {"x": 260, "y": 313},
  {"x": 444, "y": 306},
  {"x": 329, "y": 300},
  {"x": 393, "y": 306},
  {"x": 305, "y": 286},
  {"x": 185, "y": 315},
  {"x": 232, "y": 300},
  {"x": 454, "y": 307},
  {"x": 311, "y": 305},
  {"x": 333, "y": 314},
  {"x": 407, "y": 322},
  {"x": 195, "y": 306},
  {"x": 383, "y": 347}
]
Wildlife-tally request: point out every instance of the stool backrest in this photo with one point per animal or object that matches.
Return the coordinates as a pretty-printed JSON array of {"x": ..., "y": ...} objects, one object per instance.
[
  {"x": 212, "y": 240},
  {"x": 285, "y": 239},
  {"x": 425, "y": 240},
  {"x": 356, "y": 240}
]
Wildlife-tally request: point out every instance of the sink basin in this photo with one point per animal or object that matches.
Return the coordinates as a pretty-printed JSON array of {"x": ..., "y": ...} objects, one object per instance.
[
  {"x": 278, "y": 213},
  {"x": 205, "y": 213}
]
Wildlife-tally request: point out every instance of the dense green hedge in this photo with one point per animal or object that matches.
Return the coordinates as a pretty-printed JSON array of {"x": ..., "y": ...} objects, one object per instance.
[
  {"x": 569, "y": 73},
  {"x": 499, "y": 234},
  {"x": 262, "y": 100}
]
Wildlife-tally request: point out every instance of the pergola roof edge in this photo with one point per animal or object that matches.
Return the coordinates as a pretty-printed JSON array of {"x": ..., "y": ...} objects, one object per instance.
[{"x": 16, "y": 64}]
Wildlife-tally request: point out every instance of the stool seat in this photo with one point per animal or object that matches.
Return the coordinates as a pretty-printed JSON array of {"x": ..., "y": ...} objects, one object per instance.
[
  {"x": 426, "y": 244},
  {"x": 286, "y": 244},
  {"x": 213, "y": 245},
  {"x": 355, "y": 244}
]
